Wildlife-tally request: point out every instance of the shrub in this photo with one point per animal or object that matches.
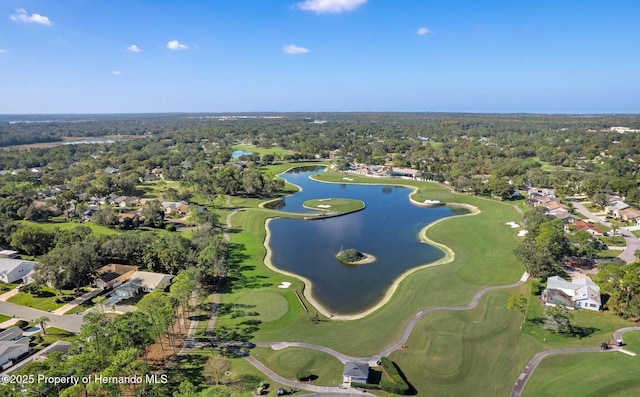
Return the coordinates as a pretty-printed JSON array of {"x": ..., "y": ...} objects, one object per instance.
[
  {"x": 304, "y": 376},
  {"x": 22, "y": 324},
  {"x": 393, "y": 387},
  {"x": 365, "y": 385},
  {"x": 397, "y": 384}
]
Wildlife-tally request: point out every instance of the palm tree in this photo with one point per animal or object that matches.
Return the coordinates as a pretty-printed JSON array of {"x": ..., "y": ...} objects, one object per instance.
[{"x": 42, "y": 320}]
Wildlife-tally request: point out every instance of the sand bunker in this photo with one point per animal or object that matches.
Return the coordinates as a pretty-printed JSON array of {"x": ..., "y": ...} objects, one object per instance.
[
  {"x": 513, "y": 225},
  {"x": 284, "y": 284},
  {"x": 522, "y": 233},
  {"x": 347, "y": 179},
  {"x": 323, "y": 206}
]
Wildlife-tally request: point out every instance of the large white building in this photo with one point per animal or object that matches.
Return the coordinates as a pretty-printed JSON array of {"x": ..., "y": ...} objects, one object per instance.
[
  {"x": 580, "y": 293},
  {"x": 12, "y": 270}
]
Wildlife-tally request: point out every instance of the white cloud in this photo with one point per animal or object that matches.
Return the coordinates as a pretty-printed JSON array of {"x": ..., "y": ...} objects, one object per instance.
[
  {"x": 423, "y": 31},
  {"x": 330, "y": 6},
  {"x": 175, "y": 45},
  {"x": 134, "y": 48},
  {"x": 294, "y": 49},
  {"x": 117, "y": 73},
  {"x": 22, "y": 16}
]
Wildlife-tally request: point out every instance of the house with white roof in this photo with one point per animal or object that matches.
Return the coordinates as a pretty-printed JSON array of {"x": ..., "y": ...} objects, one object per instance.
[
  {"x": 12, "y": 346},
  {"x": 142, "y": 282},
  {"x": 12, "y": 270},
  {"x": 580, "y": 293}
]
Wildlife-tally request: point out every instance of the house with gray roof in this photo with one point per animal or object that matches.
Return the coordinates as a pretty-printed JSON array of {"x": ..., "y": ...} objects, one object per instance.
[
  {"x": 357, "y": 372},
  {"x": 12, "y": 346}
]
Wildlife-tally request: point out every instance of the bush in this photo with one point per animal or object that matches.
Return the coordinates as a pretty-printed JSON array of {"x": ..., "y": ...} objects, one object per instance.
[
  {"x": 397, "y": 384},
  {"x": 370, "y": 386},
  {"x": 393, "y": 387},
  {"x": 304, "y": 376},
  {"x": 22, "y": 324}
]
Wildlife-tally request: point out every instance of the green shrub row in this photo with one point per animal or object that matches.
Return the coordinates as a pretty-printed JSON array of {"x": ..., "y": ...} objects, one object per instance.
[
  {"x": 396, "y": 385},
  {"x": 364, "y": 385}
]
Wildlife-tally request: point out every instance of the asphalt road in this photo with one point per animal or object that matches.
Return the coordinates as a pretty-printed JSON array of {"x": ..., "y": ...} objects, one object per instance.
[{"x": 71, "y": 322}]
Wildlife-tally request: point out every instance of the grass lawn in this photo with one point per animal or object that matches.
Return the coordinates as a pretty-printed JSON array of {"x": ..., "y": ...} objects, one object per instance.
[
  {"x": 68, "y": 225},
  {"x": 288, "y": 362},
  {"x": 44, "y": 300},
  {"x": 190, "y": 367},
  {"x": 592, "y": 328},
  {"x": 472, "y": 347},
  {"x": 4, "y": 317},
  {"x": 54, "y": 334},
  {"x": 4, "y": 287},
  {"x": 339, "y": 205},
  {"x": 608, "y": 254},
  {"x": 586, "y": 374}
]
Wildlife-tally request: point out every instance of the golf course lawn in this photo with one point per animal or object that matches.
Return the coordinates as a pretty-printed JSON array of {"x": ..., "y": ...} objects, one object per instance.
[
  {"x": 481, "y": 351},
  {"x": 288, "y": 362},
  {"x": 588, "y": 374},
  {"x": 337, "y": 205}
]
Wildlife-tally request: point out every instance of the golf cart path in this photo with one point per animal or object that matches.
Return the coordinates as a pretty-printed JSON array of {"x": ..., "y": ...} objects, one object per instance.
[
  {"x": 533, "y": 363},
  {"x": 371, "y": 359}
]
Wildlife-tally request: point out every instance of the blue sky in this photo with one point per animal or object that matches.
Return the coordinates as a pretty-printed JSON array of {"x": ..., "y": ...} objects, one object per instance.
[{"x": 78, "y": 56}]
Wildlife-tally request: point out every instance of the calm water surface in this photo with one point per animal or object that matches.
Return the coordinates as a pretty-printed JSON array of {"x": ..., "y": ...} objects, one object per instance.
[{"x": 387, "y": 228}]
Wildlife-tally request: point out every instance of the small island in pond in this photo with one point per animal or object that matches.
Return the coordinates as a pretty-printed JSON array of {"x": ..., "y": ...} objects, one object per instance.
[{"x": 352, "y": 256}]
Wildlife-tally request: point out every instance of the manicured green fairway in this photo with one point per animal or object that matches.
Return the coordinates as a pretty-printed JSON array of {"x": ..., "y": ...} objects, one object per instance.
[
  {"x": 269, "y": 304},
  {"x": 288, "y": 362},
  {"x": 585, "y": 374},
  {"x": 480, "y": 352},
  {"x": 276, "y": 151},
  {"x": 337, "y": 205}
]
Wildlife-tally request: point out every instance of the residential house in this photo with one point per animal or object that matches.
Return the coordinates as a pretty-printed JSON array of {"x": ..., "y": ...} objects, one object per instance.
[
  {"x": 628, "y": 215},
  {"x": 143, "y": 282},
  {"x": 126, "y": 201},
  {"x": 580, "y": 293},
  {"x": 565, "y": 216},
  {"x": 57, "y": 346},
  {"x": 355, "y": 372},
  {"x": 175, "y": 207},
  {"x": 111, "y": 170},
  {"x": 113, "y": 275},
  {"x": 614, "y": 206},
  {"x": 12, "y": 270},
  {"x": 12, "y": 346},
  {"x": 8, "y": 254},
  {"x": 582, "y": 225}
]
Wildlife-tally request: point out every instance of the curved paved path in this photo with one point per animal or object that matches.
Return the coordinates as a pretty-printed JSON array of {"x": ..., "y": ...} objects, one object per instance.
[
  {"x": 533, "y": 363},
  {"x": 371, "y": 359}
]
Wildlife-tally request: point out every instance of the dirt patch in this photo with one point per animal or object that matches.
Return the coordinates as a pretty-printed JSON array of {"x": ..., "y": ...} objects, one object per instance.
[{"x": 162, "y": 350}]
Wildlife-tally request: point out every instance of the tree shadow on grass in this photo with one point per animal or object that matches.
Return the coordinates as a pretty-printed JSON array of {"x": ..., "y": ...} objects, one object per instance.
[
  {"x": 187, "y": 367},
  {"x": 582, "y": 332}
]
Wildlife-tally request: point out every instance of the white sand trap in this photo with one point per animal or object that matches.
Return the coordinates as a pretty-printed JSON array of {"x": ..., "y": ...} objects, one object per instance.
[
  {"x": 522, "y": 233},
  {"x": 513, "y": 225},
  {"x": 327, "y": 199},
  {"x": 347, "y": 179},
  {"x": 324, "y": 206},
  {"x": 284, "y": 284}
]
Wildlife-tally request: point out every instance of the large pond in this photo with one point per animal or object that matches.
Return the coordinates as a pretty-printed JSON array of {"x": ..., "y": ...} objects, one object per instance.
[{"x": 387, "y": 228}]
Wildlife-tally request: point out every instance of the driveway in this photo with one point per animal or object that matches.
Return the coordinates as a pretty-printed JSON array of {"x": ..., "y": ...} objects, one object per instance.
[{"x": 72, "y": 322}]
